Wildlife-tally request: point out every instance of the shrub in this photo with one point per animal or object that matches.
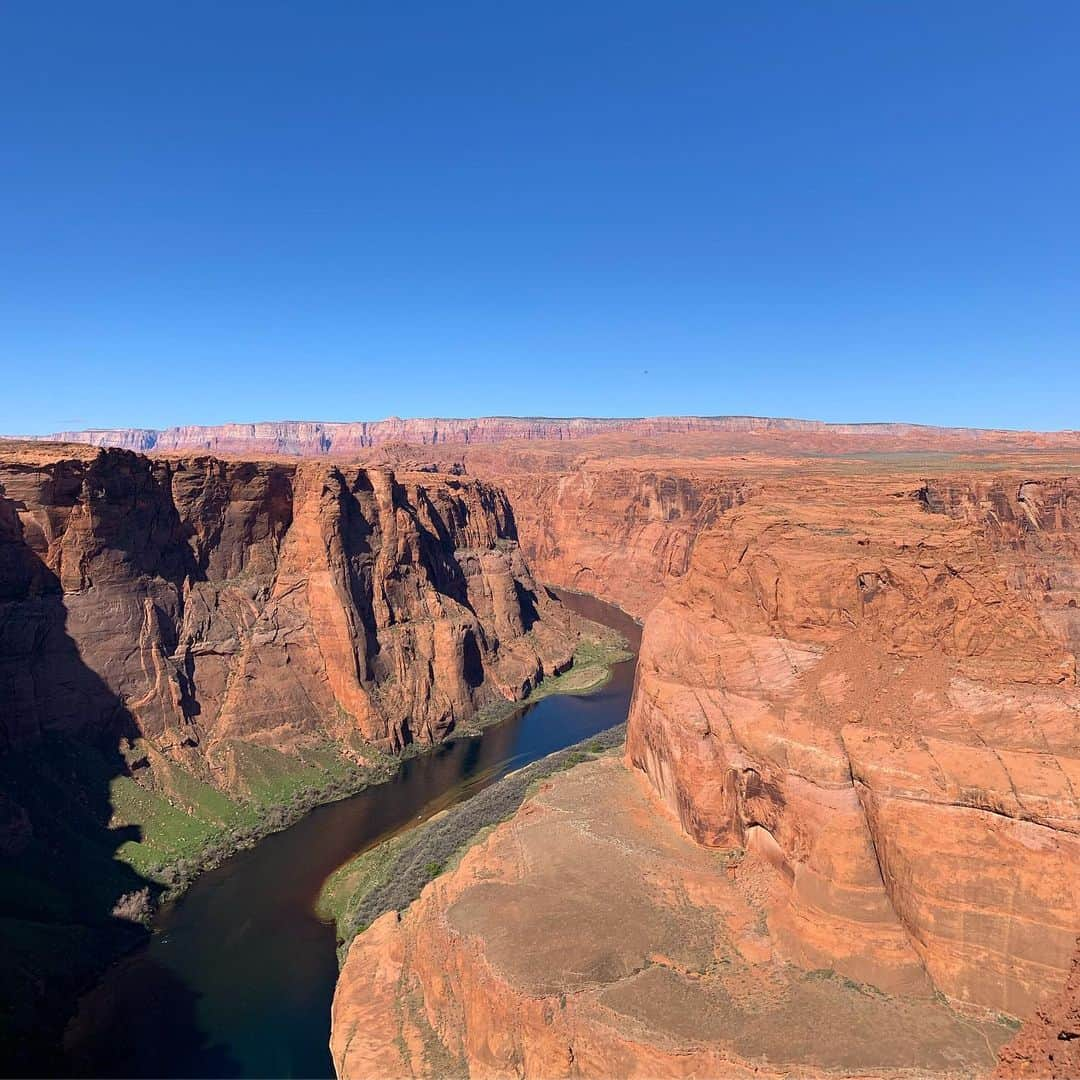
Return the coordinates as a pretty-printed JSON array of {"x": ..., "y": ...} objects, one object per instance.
[{"x": 136, "y": 907}]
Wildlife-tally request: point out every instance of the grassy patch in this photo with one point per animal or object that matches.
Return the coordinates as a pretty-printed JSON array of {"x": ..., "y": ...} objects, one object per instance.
[
  {"x": 392, "y": 874},
  {"x": 356, "y": 879},
  {"x": 829, "y": 975},
  {"x": 112, "y": 825},
  {"x": 167, "y": 833},
  {"x": 272, "y": 777}
]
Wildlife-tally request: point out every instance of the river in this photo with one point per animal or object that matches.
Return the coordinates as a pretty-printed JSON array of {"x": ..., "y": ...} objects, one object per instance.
[{"x": 238, "y": 976}]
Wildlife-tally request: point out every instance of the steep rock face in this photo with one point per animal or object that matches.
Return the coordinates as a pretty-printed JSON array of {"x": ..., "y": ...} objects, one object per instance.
[
  {"x": 196, "y": 602},
  {"x": 873, "y": 687},
  {"x": 621, "y": 533},
  {"x": 859, "y": 707},
  {"x": 607, "y": 516}
]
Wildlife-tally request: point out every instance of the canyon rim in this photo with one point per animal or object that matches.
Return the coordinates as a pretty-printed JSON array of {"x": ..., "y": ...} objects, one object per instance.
[{"x": 842, "y": 835}]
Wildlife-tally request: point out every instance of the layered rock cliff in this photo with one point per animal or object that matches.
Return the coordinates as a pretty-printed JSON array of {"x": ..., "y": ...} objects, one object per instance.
[
  {"x": 859, "y": 707},
  {"x": 874, "y": 686},
  {"x": 193, "y": 651},
  {"x": 196, "y": 602},
  {"x": 620, "y": 533},
  {"x": 602, "y": 516},
  {"x": 316, "y": 439}
]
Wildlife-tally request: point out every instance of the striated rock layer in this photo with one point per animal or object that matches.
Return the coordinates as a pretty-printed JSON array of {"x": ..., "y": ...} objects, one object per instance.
[
  {"x": 601, "y": 516},
  {"x": 874, "y": 687},
  {"x": 589, "y": 936},
  {"x": 314, "y": 439},
  {"x": 858, "y": 704},
  {"x": 618, "y": 515},
  {"x": 197, "y": 602},
  {"x": 619, "y": 532}
]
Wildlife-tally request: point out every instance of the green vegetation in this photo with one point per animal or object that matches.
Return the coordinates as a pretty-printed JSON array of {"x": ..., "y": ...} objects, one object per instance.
[
  {"x": 279, "y": 789},
  {"x": 60, "y": 881},
  {"x": 168, "y": 833},
  {"x": 598, "y": 650},
  {"x": 390, "y": 875},
  {"x": 273, "y": 778},
  {"x": 95, "y": 837},
  {"x": 829, "y": 975}
]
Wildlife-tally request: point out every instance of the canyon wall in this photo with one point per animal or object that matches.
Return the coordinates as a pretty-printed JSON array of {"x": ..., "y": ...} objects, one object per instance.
[
  {"x": 874, "y": 686},
  {"x": 849, "y": 798},
  {"x": 612, "y": 517},
  {"x": 196, "y": 602},
  {"x": 313, "y": 439},
  {"x": 857, "y": 702},
  {"x": 193, "y": 651},
  {"x": 621, "y": 533}
]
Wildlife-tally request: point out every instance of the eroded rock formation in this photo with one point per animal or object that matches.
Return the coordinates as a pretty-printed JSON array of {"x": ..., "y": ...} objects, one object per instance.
[
  {"x": 859, "y": 705},
  {"x": 197, "y": 602},
  {"x": 589, "y": 936},
  {"x": 849, "y": 798},
  {"x": 620, "y": 533},
  {"x": 1047, "y": 1047},
  {"x": 874, "y": 686}
]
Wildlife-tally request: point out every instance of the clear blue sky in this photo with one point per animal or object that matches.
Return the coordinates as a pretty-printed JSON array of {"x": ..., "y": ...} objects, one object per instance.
[{"x": 218, "y": 211}]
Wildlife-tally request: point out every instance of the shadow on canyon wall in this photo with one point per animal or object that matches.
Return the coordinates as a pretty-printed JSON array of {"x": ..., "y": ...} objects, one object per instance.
[{"x": 62, "y": 734}]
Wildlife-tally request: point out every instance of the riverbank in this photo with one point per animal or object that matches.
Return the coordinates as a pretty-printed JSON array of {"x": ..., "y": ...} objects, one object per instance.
[
  {"x": 158, "y": 841},
  {"x": 590, "y": 921},
  {"x": 599, "y": 649},
  {"x": 240, "y": 961},
  {"x": 290, "y": 788},
  {"x": 391, "y": 875}
]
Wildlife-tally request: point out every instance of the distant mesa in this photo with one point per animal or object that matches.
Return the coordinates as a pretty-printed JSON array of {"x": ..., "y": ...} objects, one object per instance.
[{"x": 302, "y": 438}]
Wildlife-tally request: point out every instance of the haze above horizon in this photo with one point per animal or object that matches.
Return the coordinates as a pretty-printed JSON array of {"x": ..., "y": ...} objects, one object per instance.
[{"x": 848, "y": 212}]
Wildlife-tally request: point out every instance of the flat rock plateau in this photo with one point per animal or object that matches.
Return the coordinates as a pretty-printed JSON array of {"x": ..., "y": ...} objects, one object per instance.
[{"x": 843, "y": 837}]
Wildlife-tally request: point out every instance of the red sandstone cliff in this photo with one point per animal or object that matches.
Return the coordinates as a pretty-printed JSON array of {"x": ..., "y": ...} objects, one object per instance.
[
  {"x": 620, "y": 533},
  {"x": 863, "y": 693},
  {"x": 1047, "y": 1047},
  {"x": 873, "y": 685},
  {"x": 197, "y": 602},
  {"x": 603, "y": 516}
]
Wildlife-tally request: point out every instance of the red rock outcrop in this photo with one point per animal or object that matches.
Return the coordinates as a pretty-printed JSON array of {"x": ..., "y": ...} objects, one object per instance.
[
  {"x": 196, "y": 602},
  {"x": 601, "y": 516},
  {"x": 622, "y": 534},
  {"x": 862, "y": 694},
  {"x": 590, "y": 937},
  {"x": 874, "y": 686},
  {"x": 1047, "y": 1047}
]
